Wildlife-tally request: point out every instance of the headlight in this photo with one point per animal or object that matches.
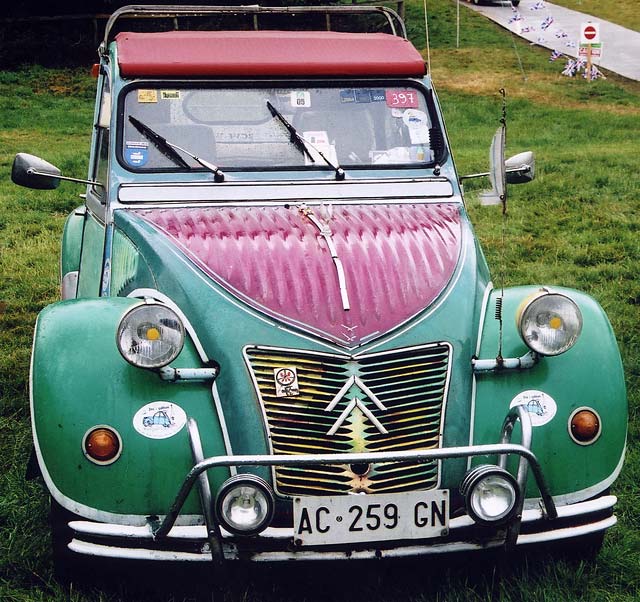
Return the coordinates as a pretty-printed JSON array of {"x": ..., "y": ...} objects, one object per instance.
[
  {"x": 549, "y": 323},
  {"x": 245, "y": 504},
  {"x": 491, "y": 494},
  {"x": 150, "y": 336}
]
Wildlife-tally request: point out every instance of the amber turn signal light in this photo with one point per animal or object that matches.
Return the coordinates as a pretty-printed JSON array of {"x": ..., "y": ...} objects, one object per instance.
[
  {"x": 584, "y": 426},
  {"x": 102, "y": 445}
]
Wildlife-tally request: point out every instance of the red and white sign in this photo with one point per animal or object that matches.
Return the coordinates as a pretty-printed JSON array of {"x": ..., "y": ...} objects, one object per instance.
[
  {"x": 590, "y": 33},
  {"x": 402, "y": 99},
  {"x": 596, "y": 50}
]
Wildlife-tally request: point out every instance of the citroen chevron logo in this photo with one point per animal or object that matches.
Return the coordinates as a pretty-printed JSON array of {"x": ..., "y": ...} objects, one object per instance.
[{"x": 353, "y": 403}]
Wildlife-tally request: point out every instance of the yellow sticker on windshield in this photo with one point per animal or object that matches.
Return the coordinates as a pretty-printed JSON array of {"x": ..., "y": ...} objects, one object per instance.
[
  {"x": 170, "y": 94},
  {"x": 147, "y": 96}
]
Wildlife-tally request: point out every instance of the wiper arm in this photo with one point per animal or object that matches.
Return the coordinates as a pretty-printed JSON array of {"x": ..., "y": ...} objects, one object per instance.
[
  {"x": 296, "y": 139},
  {"x": 168, "y": 149},
  {"x": 302, "y": 144}
]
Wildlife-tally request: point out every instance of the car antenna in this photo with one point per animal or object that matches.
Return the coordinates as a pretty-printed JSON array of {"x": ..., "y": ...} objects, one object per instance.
[
  {"x": 503, "y": 199},
  {"x": 503, "y": 121},
  {"x": 426, "y": 35}
]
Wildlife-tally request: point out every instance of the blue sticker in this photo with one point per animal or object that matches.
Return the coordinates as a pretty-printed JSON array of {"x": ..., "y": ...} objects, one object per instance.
[
  {"x": 363, "y": 96},
  {"x": 378, "y": 96},
  {"x": 347, "y": 95},
  {"x": 136, "y": 153}
]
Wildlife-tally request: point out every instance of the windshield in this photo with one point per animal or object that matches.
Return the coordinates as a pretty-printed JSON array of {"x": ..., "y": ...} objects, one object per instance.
[{"x": 241, "y": 128}]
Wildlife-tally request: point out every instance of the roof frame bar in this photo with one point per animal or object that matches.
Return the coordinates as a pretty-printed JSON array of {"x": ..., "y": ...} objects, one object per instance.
[{"x": 393, "y": 19}]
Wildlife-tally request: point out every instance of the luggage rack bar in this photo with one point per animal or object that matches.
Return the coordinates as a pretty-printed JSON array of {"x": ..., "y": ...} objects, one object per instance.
[{"x": 394, "y": 21}]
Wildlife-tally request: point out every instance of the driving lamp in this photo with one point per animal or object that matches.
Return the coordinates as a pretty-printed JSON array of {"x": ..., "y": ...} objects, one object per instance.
[
  {"x": 491, "y": 494},
  {"x": 102, "y": 445},
  {"x": 549, "y": 323},
  {"x": 150, "y": 336},
  {"x": 245, "y": 504}
]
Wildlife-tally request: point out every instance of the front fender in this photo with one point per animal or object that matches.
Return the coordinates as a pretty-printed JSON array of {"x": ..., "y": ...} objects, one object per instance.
[
  {"x": 72, "y": 241},
  {"x": 79, "y": 380},
  {"x": 587, "y": 375},
  {"x": 70, "y": 252}
]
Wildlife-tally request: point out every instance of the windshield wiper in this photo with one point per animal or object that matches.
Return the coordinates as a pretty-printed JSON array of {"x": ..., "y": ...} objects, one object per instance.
[
  {"x": 302, "y": 144},
  {"x": 168, "y": 149}
]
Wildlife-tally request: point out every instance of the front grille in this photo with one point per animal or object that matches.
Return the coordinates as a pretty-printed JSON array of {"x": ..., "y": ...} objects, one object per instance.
[{"x": 387, "y": 401}]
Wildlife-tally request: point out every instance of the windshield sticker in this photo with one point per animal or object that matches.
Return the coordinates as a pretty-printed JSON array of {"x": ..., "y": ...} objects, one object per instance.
[
  {"x": 347, "y": 96},
  {"x": 299, "y": 98},
  {"x": 170, "y": 94},
  {"x": 159, "y": 420},
  {"x": 147, "y": 96},
  {"x": 541, "y": 407},
  {"x": 136, "y": 153},
  {"x": 418, "y": 124},
  {"x": 397, "y": 154},
  {"x": 286, "y": 379},
  {"x": 363, "y": 95},
  {"x": 378, "y": 96},
  {"x": 402, "y": 99},
  {"x": 319, "y": 143}
]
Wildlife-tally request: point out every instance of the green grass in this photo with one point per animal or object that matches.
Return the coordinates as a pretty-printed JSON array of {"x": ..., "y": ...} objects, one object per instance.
[
  {"x": 577, "y": 224},
  {"x": 622, "y": 12}
]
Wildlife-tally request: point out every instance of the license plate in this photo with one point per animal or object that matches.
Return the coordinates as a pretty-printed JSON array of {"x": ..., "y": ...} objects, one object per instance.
[{"x": 324, "y": 520}]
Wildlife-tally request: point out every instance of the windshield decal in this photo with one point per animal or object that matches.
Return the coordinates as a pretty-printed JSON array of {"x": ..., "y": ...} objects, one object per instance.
[
  {"x": 300, "y": 98},
  {"x": 147, "y": 96},
  {"x": 136, "y": 153},
  {"x": 417, "y": 123},
  {"x": 402, "y": 99}
]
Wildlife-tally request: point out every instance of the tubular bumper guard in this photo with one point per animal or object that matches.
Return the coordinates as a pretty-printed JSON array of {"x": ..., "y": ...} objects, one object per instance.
[{"x": 162, "y": 540}]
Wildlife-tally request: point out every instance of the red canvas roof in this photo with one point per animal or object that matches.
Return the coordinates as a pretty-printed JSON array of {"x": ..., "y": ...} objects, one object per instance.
[{"x": 266, "y": 53}]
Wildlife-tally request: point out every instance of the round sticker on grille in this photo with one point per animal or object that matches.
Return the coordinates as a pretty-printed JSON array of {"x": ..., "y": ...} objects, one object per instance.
[
  {"x": 541, "y": 407},
  {"x": 286, "y": 379},
  {"x": 159, "y": 420}
]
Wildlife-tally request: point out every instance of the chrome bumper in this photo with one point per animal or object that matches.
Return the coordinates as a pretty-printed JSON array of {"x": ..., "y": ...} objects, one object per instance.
[{"x": 191, "y": 543}]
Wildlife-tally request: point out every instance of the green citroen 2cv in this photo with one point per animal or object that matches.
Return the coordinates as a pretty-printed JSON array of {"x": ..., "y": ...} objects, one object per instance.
[{"x": 279, "y": 338}]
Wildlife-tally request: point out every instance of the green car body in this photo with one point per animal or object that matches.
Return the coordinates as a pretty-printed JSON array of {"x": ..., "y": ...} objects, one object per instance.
[{"x": 449, "y": 367}]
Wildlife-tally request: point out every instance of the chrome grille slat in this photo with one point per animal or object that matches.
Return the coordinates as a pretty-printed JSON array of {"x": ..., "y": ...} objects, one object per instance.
[
  {"x": 392, "y": 371},
  {"x": 410, "y": 384},
  {"x": 413, "y": 433}
]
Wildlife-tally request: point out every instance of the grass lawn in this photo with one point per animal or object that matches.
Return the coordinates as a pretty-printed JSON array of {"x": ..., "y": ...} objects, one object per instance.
[
  {"x": 577, "y": 225},
  {"x": 622, "y": 12}
]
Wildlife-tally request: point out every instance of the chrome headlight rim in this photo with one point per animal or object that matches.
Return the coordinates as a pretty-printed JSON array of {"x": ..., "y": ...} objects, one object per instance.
[
  {"x": 134, "y": 317},
  {"x": 235, "y": 483},
  {"x": 469, "y": 490},
  {"x": 531, "y": 306}
]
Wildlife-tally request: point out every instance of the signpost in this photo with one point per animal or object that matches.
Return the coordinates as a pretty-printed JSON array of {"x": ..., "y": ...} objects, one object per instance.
[{"x": 590, "y": 44}]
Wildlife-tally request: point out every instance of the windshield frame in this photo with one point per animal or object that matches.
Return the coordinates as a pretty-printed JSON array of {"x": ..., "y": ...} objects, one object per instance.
[{"x": 346, "y": 83}]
